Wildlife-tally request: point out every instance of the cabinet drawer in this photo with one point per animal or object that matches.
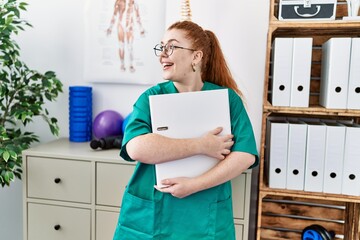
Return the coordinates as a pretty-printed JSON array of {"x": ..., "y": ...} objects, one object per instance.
[
  {"x": 47, "y": 222},
  {"x": 239, "y": 193},
  {"x": 57, "y": 179},
  {"x": 111, "y": 180},
  {"x": 105, "y": 224},
  {"x": 239, "y": 232}
]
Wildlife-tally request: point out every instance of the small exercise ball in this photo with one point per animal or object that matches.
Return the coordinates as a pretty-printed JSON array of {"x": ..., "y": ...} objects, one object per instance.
[
  {"x": 125, "y": 122},
  {"x": 107, "y": 123}
]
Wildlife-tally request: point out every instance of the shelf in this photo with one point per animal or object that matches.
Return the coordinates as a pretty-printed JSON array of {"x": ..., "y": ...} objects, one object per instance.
[
  {"x": 312, "y": 110},
  {"x": 283, "y": 213},
  {"x": 344, "y": 24},
  {"x": 315, "y": 28},
  {"x": 309, "y": 195}
]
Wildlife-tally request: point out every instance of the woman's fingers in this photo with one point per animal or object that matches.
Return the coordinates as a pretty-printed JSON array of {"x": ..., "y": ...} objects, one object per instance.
[
  {"x": 229, "y": 144},
  {"x": 216, "y": 131}
]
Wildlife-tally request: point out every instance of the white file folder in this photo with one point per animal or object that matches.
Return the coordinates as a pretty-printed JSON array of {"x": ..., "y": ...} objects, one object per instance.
[
  {"x": 351, "y": 172},
  {"x": 296, "y": 156},
  {"x": 334, "y": 157},
  {"x": 301, "y": 72},
  {"x": 335, "y": 73},
  {"x": 353, "y": 100},
  {"x": 189, "y": 115},
  {"x": 277, "y": 153},
  {"x": 281, "y": 69},
  {"x": 315, "y": 157}
]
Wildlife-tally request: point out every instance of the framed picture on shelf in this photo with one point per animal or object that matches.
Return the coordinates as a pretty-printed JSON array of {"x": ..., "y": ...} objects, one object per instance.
[{"x": 119, "y": 40}]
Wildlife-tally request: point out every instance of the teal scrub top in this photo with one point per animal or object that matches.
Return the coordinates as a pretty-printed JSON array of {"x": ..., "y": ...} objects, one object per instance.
[{"x": 149, "y": 214}]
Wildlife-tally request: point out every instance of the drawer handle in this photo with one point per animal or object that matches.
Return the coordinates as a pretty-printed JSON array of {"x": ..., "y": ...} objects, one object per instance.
[
  {"x": 57, "y": 180},
  {"x": 57, "y": 227}
]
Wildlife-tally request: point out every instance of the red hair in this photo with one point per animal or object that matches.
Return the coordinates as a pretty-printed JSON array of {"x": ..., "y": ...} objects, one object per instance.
[{"x": 214, "y": 67}]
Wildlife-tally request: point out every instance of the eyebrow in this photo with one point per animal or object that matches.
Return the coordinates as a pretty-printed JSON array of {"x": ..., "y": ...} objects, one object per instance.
[{"x": 170, "y": 40}]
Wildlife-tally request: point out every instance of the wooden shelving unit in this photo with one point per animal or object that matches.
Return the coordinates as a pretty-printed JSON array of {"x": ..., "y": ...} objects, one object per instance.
[{"x": 282, "y": 214}]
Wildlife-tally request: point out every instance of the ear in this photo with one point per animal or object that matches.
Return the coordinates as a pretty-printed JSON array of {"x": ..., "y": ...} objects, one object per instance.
[{"x": 197, "y": 57}]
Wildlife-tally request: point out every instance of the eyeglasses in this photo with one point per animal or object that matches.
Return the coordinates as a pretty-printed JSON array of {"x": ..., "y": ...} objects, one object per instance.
[{"x": 168, "y": 49}]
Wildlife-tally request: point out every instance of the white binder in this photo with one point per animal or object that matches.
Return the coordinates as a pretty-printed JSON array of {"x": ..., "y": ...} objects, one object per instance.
[
  {"x": 315, "y": 157},
  {"x": 353, "y": 100},
  {"x": 296, "y": 156},
  {"x": 281, "y": 69},
  {"x": 334, "y": 157},
  {"x": 189, "y": 115},
  {"x": 277, "y": 153},
  {"x": 301, "y": 72},
  {"x": 335, "y": 73},
  {"x": 351, "y": 172}
]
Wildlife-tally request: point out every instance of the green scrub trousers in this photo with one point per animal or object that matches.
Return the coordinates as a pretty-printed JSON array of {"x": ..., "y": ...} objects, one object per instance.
[{"x": 149, "y": 214}]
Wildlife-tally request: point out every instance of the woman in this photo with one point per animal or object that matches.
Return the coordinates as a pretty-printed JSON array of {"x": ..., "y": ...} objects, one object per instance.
[{"x": 189, "y": 208}]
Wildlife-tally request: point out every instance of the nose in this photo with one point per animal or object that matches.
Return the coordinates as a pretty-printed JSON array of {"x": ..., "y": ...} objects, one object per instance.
[{"x": 163, "y": 53}]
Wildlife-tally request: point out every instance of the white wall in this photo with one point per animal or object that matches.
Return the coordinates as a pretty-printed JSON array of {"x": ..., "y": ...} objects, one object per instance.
[{"x": 56, "y": 43}]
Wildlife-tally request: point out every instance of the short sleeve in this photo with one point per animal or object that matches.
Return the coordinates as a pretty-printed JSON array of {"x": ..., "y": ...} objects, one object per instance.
[
  {"x": 138, "y": 124},
  {"x": 244, "y": 139}
]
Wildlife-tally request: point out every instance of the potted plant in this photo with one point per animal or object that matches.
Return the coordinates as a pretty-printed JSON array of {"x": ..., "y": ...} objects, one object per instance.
[{"x": 23, "y": 93}]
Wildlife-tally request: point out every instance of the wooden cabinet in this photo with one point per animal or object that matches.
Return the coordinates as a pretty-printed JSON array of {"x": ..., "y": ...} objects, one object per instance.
[
  {"x": 72, "y": 192},
  {"x": 106, "y": 173},
  {"x": 56, "y": 222},
  {"x": 283, "y": 214},
  {"x": 105, "y": 224},
  {"x": 59, "y": 179}
]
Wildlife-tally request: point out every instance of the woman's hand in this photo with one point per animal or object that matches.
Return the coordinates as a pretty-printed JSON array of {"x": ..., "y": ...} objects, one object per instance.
[
  {"x": 233, "y": 166},
  {"x": 215, "y": 145},
  {"x": 178, "y": 187}
]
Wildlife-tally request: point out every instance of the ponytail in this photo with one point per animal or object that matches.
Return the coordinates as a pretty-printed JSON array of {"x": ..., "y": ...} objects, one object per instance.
[{"x": 214, "y": 67}]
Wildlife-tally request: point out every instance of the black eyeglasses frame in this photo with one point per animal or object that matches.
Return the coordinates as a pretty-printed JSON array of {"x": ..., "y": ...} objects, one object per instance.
[{"x": 160, "y": 48}]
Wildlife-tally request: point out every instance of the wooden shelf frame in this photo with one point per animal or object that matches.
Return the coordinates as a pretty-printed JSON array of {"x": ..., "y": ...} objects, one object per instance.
[
  {"x": 322, "y": 30},
  {"x": 312, "y": 110},
  {"x": 335, "y": 24},
  {"x": 309, "y": 195}
]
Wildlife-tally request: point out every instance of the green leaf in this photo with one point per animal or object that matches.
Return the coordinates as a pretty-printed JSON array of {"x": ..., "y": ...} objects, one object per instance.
[
  {"x": 2, "y": 180},
  {"x": 13, "y": 154},
  {"x": 16, "y": 12},
  {"x": 24, "y": 116},
  {"x": 48, "y": 96},
  {"x": 11, "y": 164},
  {"x": 9, "y": 176},
  {"x": 50, "y": 74},
  {"x": 8, "y": 20},
  {"x": 6, "y": 155},
  {"x": 6, "y": 177}
]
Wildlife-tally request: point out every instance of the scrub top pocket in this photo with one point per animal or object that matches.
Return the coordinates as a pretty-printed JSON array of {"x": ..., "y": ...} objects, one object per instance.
[
  {"x": 186, "y": 218},
  {"x": 137, "y": 218},
  {"x": 224, "y": 223}
]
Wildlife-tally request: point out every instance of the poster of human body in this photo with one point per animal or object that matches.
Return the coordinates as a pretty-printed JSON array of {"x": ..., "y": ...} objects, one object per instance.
[{"x": 119, "y": 40}]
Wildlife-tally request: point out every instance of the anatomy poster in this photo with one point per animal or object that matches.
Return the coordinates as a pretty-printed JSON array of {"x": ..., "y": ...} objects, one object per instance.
[{"x": 119, "y": 39}]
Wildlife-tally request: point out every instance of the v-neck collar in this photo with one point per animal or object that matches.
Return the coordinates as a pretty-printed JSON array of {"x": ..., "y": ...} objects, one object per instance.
[{"x": 170, "y": 88}]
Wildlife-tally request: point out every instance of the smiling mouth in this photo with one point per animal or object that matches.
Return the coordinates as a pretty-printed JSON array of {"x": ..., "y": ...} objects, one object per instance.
[{"x": 167, "y": 65}]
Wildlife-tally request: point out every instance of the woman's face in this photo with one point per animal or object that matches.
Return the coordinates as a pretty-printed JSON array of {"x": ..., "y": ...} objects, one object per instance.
[{"x": 177, "y": 66}]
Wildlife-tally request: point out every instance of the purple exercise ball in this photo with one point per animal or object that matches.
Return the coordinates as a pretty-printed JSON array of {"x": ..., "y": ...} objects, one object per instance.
[{"x": 107, "y": 123}]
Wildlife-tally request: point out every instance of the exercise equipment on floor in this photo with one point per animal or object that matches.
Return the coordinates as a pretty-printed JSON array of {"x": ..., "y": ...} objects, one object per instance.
[{"x": 317, "y": 232}]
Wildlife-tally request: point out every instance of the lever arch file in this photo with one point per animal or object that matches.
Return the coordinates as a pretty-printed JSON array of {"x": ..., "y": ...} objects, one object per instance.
[{"x": 188, "y": 115}]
